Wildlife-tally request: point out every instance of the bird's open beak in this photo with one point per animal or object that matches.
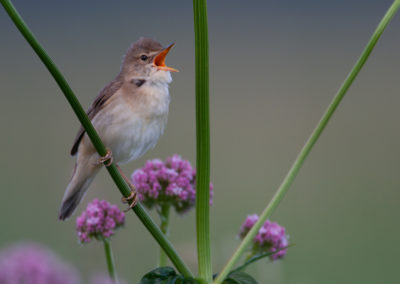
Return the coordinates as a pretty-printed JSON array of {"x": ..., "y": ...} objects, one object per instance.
[{"x": 159, "y": 60}]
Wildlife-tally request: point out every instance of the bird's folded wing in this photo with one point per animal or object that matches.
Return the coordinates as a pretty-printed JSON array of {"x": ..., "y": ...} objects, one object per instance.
[{"x": 94, "y": 109}]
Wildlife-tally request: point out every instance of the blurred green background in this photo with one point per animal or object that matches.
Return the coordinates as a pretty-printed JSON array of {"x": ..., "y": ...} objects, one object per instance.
[{"x": 275, "y": 66}]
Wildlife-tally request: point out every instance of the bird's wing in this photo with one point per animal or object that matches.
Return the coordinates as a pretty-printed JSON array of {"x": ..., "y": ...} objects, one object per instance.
[{"x": 94, "y": 109}]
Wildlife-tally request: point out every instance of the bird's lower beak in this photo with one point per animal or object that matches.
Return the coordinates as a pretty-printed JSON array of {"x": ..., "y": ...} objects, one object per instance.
[{"x": 159, "y": 60}]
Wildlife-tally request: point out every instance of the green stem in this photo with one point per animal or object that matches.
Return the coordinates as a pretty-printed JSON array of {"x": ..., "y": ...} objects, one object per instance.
[
  {"x": 110, "y": 261},
  {"x": 164, "y": 217},
  {"x": 94, "y": 137},
  {"x": 288, "y": 180},
  {"x": 253, "y": 257},
  {"x": 203, "y": 141}
]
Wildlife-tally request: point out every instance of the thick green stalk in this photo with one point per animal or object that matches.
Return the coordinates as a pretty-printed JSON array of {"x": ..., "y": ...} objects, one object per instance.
[
  {"x": 164, "y": 217},
  {"x": 110, "y": 261},
  {"x": 288, "y": 180},
  {"x": 94, "y": 137},
  {"x": 203, "y": 141}
]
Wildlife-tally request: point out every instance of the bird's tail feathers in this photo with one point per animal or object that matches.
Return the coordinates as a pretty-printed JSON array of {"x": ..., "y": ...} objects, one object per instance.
[{"x": 76, "y": 189}]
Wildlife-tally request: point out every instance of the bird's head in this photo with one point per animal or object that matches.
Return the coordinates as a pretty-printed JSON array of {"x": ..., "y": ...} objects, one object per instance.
[{"x": 146, "y": 58}]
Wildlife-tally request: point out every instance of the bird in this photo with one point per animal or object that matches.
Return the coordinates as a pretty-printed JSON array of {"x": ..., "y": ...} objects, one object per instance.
[{"x": 129, "y": 114}]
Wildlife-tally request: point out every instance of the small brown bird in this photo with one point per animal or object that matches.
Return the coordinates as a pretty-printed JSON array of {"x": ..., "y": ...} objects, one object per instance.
[{"x": 129, "y": 114}]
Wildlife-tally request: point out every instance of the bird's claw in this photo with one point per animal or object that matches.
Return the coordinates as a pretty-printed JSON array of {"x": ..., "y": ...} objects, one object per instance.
[
  {"x": 133, "y": 197},
  {"x": 107, "y": 158}
]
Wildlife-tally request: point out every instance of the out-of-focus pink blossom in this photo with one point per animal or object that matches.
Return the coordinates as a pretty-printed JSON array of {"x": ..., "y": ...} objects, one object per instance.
[
  {"x": 172, "y": 181},
  {"x": 33, "y": 264},
  {"x": 99, "y": 220},
  {"x": 271, "y": 237}
]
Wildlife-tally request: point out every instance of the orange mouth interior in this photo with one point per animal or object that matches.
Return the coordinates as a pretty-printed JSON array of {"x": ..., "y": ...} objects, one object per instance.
[{"x": 159, "y": 60}]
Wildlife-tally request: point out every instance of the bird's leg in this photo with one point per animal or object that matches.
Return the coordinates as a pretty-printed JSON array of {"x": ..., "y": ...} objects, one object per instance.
[
  {"x": 133, "y": 195},
  {"x": 107, "y": 158}
]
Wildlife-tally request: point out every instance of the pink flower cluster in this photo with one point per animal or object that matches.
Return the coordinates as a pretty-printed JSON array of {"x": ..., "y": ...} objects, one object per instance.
[
  {"x": 33, "y": 264},
  {"x": 99, "y": 220},
  {"x": 271, "y": 237},
  {"x": 172, "y": 181}
]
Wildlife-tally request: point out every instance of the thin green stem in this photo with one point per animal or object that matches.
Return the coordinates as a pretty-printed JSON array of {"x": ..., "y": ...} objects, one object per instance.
[
  {"x": 164, "y": 217},
  {"x": 252, "y": 257},
  {"x": 94, "y": 137},
  {"x": 203, "y": 141},
  {"x": 110, "y": 261},
  {"x": 288, "y": 180}
]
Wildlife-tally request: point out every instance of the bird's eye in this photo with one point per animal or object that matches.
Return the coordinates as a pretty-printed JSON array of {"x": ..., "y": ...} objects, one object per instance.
[{"x": 143, "y": 57}]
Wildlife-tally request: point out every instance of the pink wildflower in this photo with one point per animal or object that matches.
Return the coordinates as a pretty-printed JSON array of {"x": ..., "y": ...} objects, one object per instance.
[
  {"x": 33, "y": 264},
  {"x": 271, "y": 237},
  {"x": 99, "y": 220},
  {"x": 172, "y": 181}
]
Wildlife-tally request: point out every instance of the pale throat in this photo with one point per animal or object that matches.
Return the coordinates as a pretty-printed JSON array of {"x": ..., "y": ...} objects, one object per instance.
[
  {"x": 159, "y": 77},
  {"x": 153, "y": 76},
  {"x": 151, "y": 96},
  {"x": 157, "y": 92}
]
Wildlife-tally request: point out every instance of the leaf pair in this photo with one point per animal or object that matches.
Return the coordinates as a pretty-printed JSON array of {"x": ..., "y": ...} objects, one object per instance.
[
  {"x": 167, "y": 275},
  {"x": 239, "y": 277}
]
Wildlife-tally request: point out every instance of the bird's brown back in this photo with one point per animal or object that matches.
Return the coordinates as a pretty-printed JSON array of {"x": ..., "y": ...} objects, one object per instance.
[{"x": 96, "y": 106}]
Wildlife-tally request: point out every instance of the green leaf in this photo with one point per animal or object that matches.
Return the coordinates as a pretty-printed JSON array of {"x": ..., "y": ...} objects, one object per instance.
[
  {"x": 239, "y": 277},
  {"x": 159, "y": 275},
  {"x": 165, "y": 275}
]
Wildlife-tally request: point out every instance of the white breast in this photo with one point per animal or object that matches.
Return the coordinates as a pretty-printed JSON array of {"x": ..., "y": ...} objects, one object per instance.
[{"x": 130, "y": 133}]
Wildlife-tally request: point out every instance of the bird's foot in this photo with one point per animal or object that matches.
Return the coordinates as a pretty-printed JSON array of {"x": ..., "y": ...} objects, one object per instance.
[
  {"x": 132, "y": 197},
  {"x": 107, "y": 158}
]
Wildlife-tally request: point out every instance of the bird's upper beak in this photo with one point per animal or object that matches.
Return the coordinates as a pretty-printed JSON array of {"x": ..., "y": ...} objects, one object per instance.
[{"x": 159, "y": 60}]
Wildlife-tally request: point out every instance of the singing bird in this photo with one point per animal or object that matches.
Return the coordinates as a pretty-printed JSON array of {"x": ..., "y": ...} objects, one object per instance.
[{"x": 129, "y": 114}]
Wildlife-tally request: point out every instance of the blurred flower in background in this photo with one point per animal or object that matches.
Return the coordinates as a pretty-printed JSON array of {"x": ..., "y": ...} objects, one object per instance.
[
  {"x": 99, "y": 221},
  {"x": 271, "y": 237},
  {"x": 30, "y": 263},
  {"x": 172, "y": 182}
]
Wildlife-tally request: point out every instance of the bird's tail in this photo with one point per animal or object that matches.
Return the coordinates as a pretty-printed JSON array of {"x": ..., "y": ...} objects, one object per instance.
[{"x": 82, "y": 177}]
